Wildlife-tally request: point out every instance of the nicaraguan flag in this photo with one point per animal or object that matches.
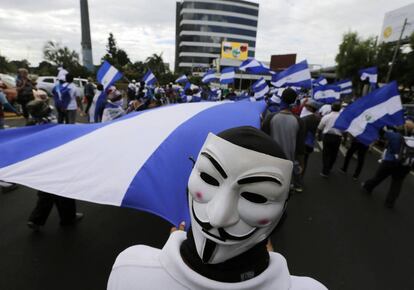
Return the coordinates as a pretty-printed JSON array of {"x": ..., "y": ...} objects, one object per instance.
[
  {"x": 147, "y": 167},
  {"x": 260, "y": 89},
  {"x": 370, "y": 73},
  {"x": 297, "y": 75},
  {"x": 209, "y": 76},
  {"x": 345, "y": 85},
  {"x": 182, "y": 79},
  {"x": 327, "y": 94},
  {"x": 107, "y": 75},
  {"x": 254, "y": 66},
  {"x": 149, "y": 78},
  {"x": 365, "y": 117},
  {"x": 321, "y": 81},
  {"x": 227, "y": 75}
]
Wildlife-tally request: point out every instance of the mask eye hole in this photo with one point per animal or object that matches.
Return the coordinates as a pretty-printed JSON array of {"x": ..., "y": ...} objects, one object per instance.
[
  {"x": 254, "y": 197},
  {"x": 209, "y": 179}
]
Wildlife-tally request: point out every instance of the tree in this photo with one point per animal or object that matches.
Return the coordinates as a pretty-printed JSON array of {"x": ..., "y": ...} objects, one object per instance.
[
  {"x": 5, "y": 66},
  {"x": 156, "y": 64},
  {"x": 114, "y": 55}
]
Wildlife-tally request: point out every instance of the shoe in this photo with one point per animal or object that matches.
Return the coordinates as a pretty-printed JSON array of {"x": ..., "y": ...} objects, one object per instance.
[
  {"x": 33, "y": 226},
  {"x": 342, "y": 170},
  {"x": 323, "y": 175},
  {"x": 78, "y": 217},
  {"x": 298, "y": 189},
  {"x": 355, "y": 178},
  {"x": 365, "y": 189},
  {"x": 389, "y": 204}
]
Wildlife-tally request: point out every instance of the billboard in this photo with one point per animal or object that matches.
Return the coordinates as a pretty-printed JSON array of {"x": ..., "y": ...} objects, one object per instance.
[
  {"x": 394, "y": 21},
  {"x": 282, "y": 61},
  {"x": 234, "y": 50}
]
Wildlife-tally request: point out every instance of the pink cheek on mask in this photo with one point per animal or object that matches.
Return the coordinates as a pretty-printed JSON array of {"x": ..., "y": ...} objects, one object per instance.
[
  {"x": 263, "y": 222},
  {"x": 199, "y": 195}
]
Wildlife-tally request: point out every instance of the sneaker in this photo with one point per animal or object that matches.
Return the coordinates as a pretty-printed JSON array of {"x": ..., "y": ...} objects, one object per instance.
[
  {"x": 363, "y": 187},
  {"x": 323, "y": 175},
  {"x": 342, "y": 170},
  {"x": 298, "y": 189},
  {"x": 33, "y": 226},
  {"x": 355, "y": 178},
  {"x": 78, "y": 217},
  {"x": 389, "y": 204},
  {"x": 6, "y": 189}
]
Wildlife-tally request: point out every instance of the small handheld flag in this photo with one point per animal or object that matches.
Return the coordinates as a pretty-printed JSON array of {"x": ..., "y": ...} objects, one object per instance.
[
  {"x": 107, "y": 75},
  {"x": 327, "y": 94},
  {"x": 297, "y": 75},
  {"x": 149, "y": 78},
  {"x": 227, "y": 75}
]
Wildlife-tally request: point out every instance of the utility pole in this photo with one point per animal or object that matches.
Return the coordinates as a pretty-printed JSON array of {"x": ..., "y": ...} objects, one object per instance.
[{"x": 397, "y": 48}]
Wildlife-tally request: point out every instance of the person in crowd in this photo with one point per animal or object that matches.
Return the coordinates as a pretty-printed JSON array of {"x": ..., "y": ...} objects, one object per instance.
[
  {"x": 114, "y": 106},
  {"x": 311, "y": 120},
  {"x": 397, "y": 161},
  {"x": 288, "y": 130},
  {"x": 325, "y": 109},
  {"x": 89, "y": 92},
  {"x": 171, "y": 94},
  {"x": 331, "y": 139},
  {"x": 361, "y": 149},
  {"x": 5, "y": 105},
  {"x": 93, "y": 116},
  {"x": 24, "y": 88},
  {"x": 67, "y": 99},
  {"x": 132, "y": 91},
  {"x": 235, "y": 204}
]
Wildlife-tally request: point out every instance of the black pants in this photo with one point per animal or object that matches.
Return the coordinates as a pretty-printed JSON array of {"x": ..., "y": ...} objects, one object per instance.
[
  {"x": 331, "y": 143},
  {"x": 361, "y": 150},
  {"x": 397, "y": 172},
  {"x": 89, "y": 100},
  {"x": 308, "y": 152},
  {"x": 66, "y": 208}
]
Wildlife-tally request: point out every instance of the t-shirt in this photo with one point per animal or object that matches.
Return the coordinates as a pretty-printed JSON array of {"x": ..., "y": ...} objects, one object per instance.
[
  {"x": 74, "y": 93},
  {"x": 327, "y": 124},
  {"x": 146, "y": 268}
]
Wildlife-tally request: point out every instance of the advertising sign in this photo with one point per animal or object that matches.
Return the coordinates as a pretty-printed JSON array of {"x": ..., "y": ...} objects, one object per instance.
[
  {"x": 234, "y": 50},
  {"x": 394, "y": 21}
]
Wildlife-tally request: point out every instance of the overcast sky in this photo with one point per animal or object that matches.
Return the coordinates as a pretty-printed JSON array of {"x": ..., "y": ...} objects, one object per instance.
[{"x": 313, "y": 29}]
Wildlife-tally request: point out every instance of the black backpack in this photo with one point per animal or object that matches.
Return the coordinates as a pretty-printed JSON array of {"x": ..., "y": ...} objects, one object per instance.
[{"x": 406, "y": 155}]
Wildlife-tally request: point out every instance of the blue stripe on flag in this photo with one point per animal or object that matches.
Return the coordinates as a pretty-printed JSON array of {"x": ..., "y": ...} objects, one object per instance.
[{"x": 160, "y": 186}]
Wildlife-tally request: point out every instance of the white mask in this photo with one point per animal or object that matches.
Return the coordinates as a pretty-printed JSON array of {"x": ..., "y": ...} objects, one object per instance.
[{"x": 236, "y": 198}]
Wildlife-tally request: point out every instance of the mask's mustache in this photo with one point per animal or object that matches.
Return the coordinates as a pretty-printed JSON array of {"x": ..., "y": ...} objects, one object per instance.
[{"x": 223, "y": 234}]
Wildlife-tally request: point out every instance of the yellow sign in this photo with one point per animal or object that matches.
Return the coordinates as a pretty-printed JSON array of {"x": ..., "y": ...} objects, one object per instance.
[
  {"x": 387, "y": 32},
  {"x": 234, "y": 50}
]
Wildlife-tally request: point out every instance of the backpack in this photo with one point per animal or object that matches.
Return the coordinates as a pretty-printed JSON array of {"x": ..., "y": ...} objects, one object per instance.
[
  {"x": 61, "y": 96},
  {"x": 406, "y": 155}
]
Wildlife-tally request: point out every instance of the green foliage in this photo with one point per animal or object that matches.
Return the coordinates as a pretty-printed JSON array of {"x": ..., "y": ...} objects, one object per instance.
[
  {"x": 114, "y": 55},
  {"x": 356, "y": 53}
]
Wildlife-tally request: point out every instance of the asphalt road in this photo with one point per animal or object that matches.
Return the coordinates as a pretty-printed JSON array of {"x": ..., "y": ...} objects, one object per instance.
[{"x": 333, "y": 233}]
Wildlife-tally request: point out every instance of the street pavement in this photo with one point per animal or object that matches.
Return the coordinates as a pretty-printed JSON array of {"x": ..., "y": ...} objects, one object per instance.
[{"x": 333, "y": 232}]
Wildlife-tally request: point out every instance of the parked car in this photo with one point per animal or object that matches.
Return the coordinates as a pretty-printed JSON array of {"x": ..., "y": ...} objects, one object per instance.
[{"x": 46, "y": 83}]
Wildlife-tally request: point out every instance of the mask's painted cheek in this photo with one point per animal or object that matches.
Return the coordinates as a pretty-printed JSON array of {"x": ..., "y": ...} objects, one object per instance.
[
  {"x": 263, "y": 222},
  {"x": 199, "y": 196}
]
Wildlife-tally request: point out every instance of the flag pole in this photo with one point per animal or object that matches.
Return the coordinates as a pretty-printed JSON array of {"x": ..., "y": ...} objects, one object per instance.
[
  {"x": 397, "y": 48},
  {"x": 241, "y": 79}
]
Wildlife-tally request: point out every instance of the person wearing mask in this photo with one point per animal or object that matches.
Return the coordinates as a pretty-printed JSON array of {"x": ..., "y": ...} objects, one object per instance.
[
  {"x": 5, "y": 105},
  {"x": 132, "y": 91},
  {"x": 237, "y": 193},
  {"x": 113, "y": 108},
  {"x": 331, "y": 139},
  {"x": 397, "y": 161},
  {"x": 288, "y": 130}
]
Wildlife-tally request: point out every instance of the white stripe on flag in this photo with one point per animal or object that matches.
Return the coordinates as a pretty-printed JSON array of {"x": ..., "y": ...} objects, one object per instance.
[
  {"x": 109, "y": 76},
  {"x": 41, "y": 171},
  {"x": 372, "y": 114},
  {"x": 293, "y": 78}
]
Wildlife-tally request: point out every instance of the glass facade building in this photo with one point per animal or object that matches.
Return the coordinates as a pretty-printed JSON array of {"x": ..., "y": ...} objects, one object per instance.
[{"x": 202, "y": 25}]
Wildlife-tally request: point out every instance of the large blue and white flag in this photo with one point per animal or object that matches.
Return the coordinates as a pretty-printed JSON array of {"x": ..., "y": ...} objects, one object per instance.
[
  {"x": 149, "y": 78},
  {"x": 365, "y": 117},
  {"x": 227, "y": 75},
  {"x": 260, "y": 89},
  {"x": 182, "y": 79},
  {"x": 370, "y": 73},
  {"x": 142, "y": 160},
  {"x": 107, "y": 75},
  {"x": 327, "y": 94},
  {"x": 297, "y": 75},
  {"x": 345, "y": 85},
  {"x": 254, "y": 66},
  {"x": 209, "y": 76},
  {"x": 321, "y": 81}
]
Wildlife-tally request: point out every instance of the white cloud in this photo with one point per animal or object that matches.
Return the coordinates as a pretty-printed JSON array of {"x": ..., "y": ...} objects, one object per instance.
[{"x": 313, "y": 29}]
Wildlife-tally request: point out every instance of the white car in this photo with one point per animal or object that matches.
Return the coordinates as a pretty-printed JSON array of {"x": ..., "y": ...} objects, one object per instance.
[{"x": 46, "y": 83}]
